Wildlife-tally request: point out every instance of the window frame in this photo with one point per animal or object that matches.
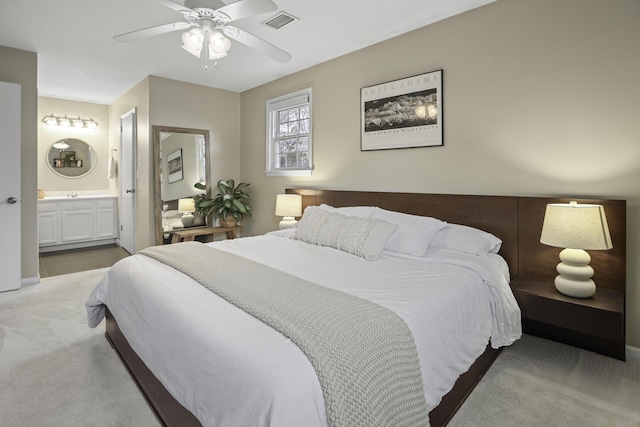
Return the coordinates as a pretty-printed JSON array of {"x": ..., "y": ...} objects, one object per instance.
[{"x": 273, "y": 107}]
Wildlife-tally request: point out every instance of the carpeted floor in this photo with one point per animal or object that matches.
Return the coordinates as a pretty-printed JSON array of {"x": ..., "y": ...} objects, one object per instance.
[
  {"x": 537, "y": 382},
  {"x": 56, "y": 371}
]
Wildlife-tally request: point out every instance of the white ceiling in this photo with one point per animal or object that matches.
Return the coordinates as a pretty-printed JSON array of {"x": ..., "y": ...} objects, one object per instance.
[{"x": 78, "y": 58}]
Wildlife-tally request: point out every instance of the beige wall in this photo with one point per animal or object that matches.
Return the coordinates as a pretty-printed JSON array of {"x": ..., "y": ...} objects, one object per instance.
[
  {"x": 186, "y": 105},
  {"x": 185, "y": 187},
  {"x": 540, "y": 99},
  {"x": 135, "y": 98},
  {"x": 97, "y": 138},
  {"x": 21, "y": 67},
  {"x": 165, "y": 102},
  {"x": 180, "y": 104}
]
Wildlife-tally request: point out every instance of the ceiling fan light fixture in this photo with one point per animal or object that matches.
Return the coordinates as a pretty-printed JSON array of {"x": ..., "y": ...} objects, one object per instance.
[
  {"x": 208, "y": 41},
  {"x": 196, "y": 39},
  {"x": 193, "y": 41},
  {"x": 219, "y": 44}
]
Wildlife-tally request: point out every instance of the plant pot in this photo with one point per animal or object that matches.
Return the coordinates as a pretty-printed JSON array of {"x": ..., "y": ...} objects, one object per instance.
[{"x": 228, "y": 221}]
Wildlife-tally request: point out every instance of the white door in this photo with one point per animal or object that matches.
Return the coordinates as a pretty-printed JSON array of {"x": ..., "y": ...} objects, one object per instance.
[
  {"x": 128, "y": 175},
  {"x": 10, "y": 202}
]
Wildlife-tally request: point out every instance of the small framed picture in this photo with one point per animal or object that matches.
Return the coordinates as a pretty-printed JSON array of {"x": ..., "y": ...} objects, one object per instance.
[{"x": 174, "y": 166}]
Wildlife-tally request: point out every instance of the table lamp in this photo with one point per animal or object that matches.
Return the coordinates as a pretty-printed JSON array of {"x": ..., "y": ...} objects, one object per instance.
[
  {"x": 575, "y": 227},
  {"x": 288, "y": 206},
  {"x": 187, "y": 206}
]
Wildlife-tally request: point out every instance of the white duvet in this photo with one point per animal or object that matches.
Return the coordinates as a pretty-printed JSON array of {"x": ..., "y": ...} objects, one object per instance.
[{"x": 230, "y": 369}]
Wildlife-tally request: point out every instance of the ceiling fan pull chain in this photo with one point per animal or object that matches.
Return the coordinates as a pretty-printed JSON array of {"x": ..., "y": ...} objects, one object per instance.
[{"x": 204, "y": 53}]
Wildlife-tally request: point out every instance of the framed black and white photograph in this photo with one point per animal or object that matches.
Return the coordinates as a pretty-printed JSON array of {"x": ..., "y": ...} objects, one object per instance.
[
  {"x": 402, "y": 113},
  {"x": 174, "y": 166}
]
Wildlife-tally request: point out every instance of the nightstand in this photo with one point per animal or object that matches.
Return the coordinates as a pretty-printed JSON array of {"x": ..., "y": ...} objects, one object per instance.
[{"x": 596, "y": 324}]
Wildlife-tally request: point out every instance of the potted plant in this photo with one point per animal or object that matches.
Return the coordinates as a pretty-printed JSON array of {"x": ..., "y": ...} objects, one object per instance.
[
  {"x": 68, "y": 159},
  {"x": 230, "y": 205}
]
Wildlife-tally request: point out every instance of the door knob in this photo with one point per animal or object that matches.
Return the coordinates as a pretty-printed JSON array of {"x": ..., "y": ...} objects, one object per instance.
[
  {"x": 11, "y": 200},
  {"x": 131, "y": 191}
]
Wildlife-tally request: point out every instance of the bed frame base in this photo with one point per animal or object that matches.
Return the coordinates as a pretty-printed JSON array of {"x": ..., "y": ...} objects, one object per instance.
[
  {"x": 171, "y": 413},
  {"x": 442, "y": 414},
  {"x": 168, "y": 411}
]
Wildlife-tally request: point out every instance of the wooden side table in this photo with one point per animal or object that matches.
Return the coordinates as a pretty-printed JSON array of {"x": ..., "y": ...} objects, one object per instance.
[
  {"x": 189, "y": 234},
  {"x": 596, "y": 324}
]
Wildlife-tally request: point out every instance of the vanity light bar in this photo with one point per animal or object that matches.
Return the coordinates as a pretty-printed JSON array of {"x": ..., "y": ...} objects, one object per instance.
[{"x": 67, "y": 122}]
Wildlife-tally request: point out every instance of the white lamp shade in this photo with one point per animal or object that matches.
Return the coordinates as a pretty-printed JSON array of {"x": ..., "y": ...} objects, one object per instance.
[
  {"x": 193, "y": 41},
  {"x": 288, "y": 205},
  {"x": 186, "y": 205},
  {"x": 219, "y": 44},
  {"x": 577, "y": 226}
]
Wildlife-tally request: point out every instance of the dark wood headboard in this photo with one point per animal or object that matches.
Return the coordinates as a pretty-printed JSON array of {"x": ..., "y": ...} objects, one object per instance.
[{"x": 517, "y": 221}]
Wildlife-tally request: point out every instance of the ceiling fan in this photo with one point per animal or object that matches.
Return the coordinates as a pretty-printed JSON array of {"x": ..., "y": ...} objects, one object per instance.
[{"x": 210, "y": 19}]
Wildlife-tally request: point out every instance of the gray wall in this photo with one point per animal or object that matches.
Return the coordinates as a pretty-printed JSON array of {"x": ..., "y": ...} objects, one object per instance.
[{"x": 541, "y": 98}]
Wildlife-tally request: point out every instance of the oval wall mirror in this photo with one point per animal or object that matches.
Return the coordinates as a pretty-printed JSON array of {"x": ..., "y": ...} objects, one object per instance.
[{"x": 71, "y": 158}]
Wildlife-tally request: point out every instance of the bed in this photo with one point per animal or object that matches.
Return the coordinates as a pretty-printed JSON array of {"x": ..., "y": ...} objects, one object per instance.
[{"x": 154, "y": 340}]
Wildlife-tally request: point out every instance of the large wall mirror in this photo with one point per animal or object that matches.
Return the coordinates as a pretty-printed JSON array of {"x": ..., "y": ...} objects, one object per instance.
[
  {"x": 181, "y": 159},
  {"x": 71, "y": 158}
]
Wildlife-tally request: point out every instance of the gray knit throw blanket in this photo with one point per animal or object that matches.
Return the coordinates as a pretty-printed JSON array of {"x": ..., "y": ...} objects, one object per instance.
[{"x": 364, "y": 354}]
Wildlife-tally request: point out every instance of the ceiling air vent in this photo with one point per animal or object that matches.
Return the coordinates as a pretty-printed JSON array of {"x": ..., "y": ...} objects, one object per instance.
[{"x": 280, "y": 20}]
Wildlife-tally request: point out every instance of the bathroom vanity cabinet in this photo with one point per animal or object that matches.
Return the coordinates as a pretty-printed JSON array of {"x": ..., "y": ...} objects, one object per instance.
[{"x": 67, "y": 223}]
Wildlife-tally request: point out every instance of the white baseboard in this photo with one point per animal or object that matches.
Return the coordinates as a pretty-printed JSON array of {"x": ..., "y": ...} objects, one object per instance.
[
  {"x": 632, "y": 352},
  {"x": 78, "y": 245},
  {"x": 30, "y": 281}
]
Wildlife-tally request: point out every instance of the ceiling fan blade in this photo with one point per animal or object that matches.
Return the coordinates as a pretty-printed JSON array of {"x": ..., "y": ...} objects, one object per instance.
[
  {"x": 175, "y": 6},
  {"x": 257, "y": 43},
  {"x": 243, "y": 8},
  {"x": 151, "y": 31}
]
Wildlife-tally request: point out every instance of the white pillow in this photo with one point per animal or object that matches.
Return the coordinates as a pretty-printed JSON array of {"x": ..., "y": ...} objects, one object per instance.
[
  {"x": 466, "y": 239},
  {"x": 357, "y": 211},
  {"x": 501, "y": 263},
  {"x": 413, "y": 234},
  {"x": 358, "y": 236}
]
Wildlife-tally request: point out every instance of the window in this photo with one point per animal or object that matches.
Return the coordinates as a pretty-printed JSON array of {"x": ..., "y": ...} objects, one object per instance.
[
  {"x": 289, "y": 146},
  {"x": 201, "y": 163}
]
